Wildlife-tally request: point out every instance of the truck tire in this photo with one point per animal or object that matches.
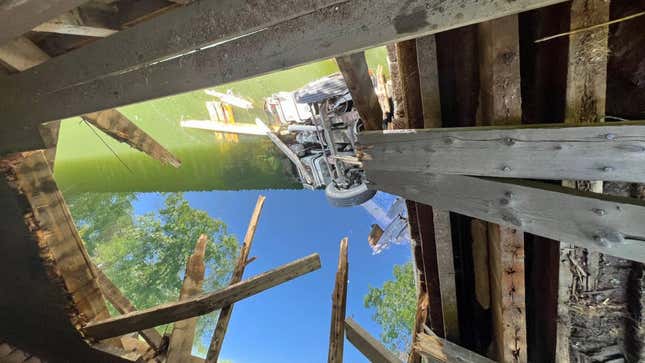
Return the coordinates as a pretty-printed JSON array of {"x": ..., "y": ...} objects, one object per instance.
[{"x": 356, "y": 195}]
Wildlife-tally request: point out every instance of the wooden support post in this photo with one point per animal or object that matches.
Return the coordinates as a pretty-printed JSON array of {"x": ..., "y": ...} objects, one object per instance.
[
  {"x": 202, "y": 304},
  {"x": 356, "y": 74},
  {"x": 500, "y": 104},
  {"x": 371, "y": 348},
  {"x": 19, "y": 17},
  {"x": 339, "y": 302},
  {"x": 124, "y": 306},
  {"x": 585, "y": 103},
  {"x": 53, "y": 91},
  {"x": 225, "y": 314},
  {"x": 433, "y": 347}
]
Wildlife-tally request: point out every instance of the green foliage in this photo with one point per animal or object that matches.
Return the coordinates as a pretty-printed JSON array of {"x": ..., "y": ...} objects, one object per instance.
[
  {"x": 146, "y": 256},
  {"x": 395, "y": 305}
]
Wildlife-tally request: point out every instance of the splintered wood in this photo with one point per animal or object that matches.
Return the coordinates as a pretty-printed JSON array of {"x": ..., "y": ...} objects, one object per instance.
[
  {"x": 339, "y": 302},
  {"x": 225, "y": 314},
  {"x": 183, "y": 332}
]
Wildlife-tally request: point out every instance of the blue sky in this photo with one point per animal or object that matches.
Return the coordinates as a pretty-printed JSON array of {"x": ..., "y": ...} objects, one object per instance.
[{"x": 290, "y": 322}]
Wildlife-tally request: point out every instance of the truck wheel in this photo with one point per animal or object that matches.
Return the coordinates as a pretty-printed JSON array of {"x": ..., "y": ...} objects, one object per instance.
[{"x": 356, "y": 195}]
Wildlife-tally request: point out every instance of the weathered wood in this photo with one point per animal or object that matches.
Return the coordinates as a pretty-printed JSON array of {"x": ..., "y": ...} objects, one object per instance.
[
  {"x": 225, "y": 314},
  {"x": 200, "y": 305},
  {"x": 479, "y": 233},
  {"x": 19, "y": 17},
  {"x": 53, "y": 92},
  {"x": 183, "y": 331},
  {"x": 611, "y": 151},
  {"x": 73, "y": 29},
  {"x": 602, "y": 223},
  {"x": 371, "y": 348},
  {"x": 115, "y": 124},
  {"x": 585, "y": 103},
  {"x": 339, "y": 303},
  {"x": 121, "y": 303},
  {"x": 406, "y": 54},
  {"x": 447, "y": 276},
  {"x": 500, "y": 104},
  {"x": 429, "y": 81},
  {"x": 356, "y": 74},
  {"x": 433, "y": 347},
  {"x": 21, "y": 54}
]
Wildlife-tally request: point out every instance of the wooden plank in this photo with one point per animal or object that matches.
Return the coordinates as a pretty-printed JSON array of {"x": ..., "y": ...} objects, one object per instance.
[
  {"x": 479, "y": 233},
  {"x": 406, "y": 54},
  {"x": 51, "y": 92},
  {"x": 244, "y": 129},
  {"x": 225, "y": 314},
  {"x": 339, "y": 303},
  {"x": 119, "y": 127},
  {"x": 447, "y": 275},
  {"x": 202, "y": 304},
  {"x": 73, "y": 29},
  {"x": 500, "y": 104},
  {"x": 585, "y": 103},
  {"x": 371, "y": 348},
  {"x": 121, "y": 303},
  {"x": 19, "y": 17},
  {"x": 433, "y": 347},
  {"x": 611, "y": 151},
  {"x": 356, "y": 74},
  {"x": 21, "y": 54},
  {"x": 602, "y": 223},
  {"x": 429, "y": 81},
  {"x": 183, "y": 331}
]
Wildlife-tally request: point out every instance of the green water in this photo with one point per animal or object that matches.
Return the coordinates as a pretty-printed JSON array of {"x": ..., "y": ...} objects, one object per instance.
[{"x": 85, "y": 163}]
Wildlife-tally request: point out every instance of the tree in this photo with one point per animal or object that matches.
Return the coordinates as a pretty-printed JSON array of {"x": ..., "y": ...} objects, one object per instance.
[{"x": 395, "y": 305}]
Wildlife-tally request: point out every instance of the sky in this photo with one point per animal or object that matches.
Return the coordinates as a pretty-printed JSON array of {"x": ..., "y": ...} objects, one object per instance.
[{"x": 290, "y": 322}]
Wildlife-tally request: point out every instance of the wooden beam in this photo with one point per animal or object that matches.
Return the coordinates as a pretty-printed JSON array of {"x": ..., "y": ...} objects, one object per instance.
[
  {"x": 408, "y": 70},
  {"x": 119, "y": 127},
  {"x": 19, "y": 17},
  {"x": 356, "y": 74},
  {"x": 121, "y": 303},
  {"x": 602, "y": 223},
  {"x": 500, "y": 104},
  {"x": 371, "y": 348},
  {"x": 243, "y": 129},
  {"x": 53, "y": 92},
  {"x": 183, "y": 331},
  {"x": 585, "y": 103},
  {"x": 225, "y": 314},
  {"x": 339, "y": 303},
  {"x": 21, "y": 54},
  {"x": 612, "y": 151},
  {"x": 447, "y": 274},
  {"x": 202, "y": 304},
  {"x": 73, "y": 29},
  {"x": 429, "y": 81},
  {"x": 433, "y": 347}
]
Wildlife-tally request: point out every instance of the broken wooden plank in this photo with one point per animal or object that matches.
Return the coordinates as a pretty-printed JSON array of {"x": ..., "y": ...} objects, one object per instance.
[
  {"x": 19, "y": 17},
  {"x": 433, "y": 347},
  {"x": 339, "y": 303},
  {"x": 200, "y": 305},
  {"x": 53, "y": 92},
  {"x": 356, "y": 74},
  {"x": 121, "y": 303},
  {"x": 115, "y": 124},
  {"x": 225, "y": 314},
  {"x": 371, "y": 348},
  {"x": 602, "y": 223},
  {"x": 73, "y": 29},
  {"x": 500, "y": 104},
  {"x": 183, "y": 331},
  {"x": 611, "y": 151}
]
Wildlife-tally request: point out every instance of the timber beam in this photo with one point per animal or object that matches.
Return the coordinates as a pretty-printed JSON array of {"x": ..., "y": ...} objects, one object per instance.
[
  {"x": 53, "y": 90},
  {"x": 433, "y": 347},
  {"x": 202, "y": 304},
  {"x": 356, "y": 74},
  {"x": 371, "y": 348},
  {"x": 339, "y": 303}
]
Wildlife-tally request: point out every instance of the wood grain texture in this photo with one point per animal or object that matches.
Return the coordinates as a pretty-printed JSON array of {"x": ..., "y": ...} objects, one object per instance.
[
  {"x": 202, "y": 304},
  {"x": 21, "y": 54},
  {"x": 20, "y": 16},
  {"x": 429, "y": 81},
  {"x": 347, "y": 27},
  {"x": 600, "y": 152},
  {"x": 447, "y": 275},
  {"x": 339, "y": 302},
  {"x": 356, "y": 74},
  {"x": 479, "y": 233},
  {"x": 73, "y": 29},
  {"x": 606, "y": 224},
  {"x": 371, "y": 348},
  {"x": 119, "y": 127},
  {"x": 437, "y": 349},
  {"x": 121, "y": 303},
  {"x": 225, "y": 313},
  {"x": 183, "y": 331}
]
